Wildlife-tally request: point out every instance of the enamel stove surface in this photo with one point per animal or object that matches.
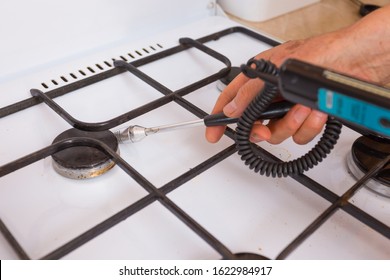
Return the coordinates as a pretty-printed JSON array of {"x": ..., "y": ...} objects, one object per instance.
[{"x": 173, "y": 195}]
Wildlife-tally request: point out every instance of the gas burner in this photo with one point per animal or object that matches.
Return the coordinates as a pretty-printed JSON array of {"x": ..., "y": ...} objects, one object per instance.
[
  {"x": 366, "y": 153},
  {"x": 250, "y": 256},
  {"x": 223, "y": 82},
  {"x": 84, "y": 162}
]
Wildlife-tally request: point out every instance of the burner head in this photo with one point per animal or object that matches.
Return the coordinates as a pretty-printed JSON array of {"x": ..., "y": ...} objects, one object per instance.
[
  {"x": 84, "y": 162},
  {"x": 250, "y": 256},
  {"x": 366, "y": 153},
  {"x": 223, "y": 82}
]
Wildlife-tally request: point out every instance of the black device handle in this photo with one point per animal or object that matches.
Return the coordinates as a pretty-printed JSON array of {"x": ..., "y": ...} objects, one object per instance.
[{"x": 275, "y": 110}]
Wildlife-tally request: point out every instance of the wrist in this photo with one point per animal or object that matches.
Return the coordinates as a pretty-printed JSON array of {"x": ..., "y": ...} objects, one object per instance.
[{"x": 370, "y": 40}]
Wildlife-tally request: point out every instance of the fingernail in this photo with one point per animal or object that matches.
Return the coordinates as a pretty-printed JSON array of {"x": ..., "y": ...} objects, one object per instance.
[
  {"x": 319, "y": 117},
  {"x": 254, "y": 138},
  {"x": 230, "y": 108},
  {"x": 301, "y": 114}
]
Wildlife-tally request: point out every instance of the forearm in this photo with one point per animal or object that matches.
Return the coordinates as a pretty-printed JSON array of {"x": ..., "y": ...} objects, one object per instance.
[
  {"x": 361, "y": 50},
  {"x": 369, "y": 45}
]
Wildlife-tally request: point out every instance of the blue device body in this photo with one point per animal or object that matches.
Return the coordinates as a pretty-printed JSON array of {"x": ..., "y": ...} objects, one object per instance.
[{"x": 363, "y": 106}]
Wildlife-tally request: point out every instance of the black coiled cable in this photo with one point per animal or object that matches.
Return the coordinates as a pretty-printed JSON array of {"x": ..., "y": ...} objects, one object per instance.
[{"x": 251, "y": 114}]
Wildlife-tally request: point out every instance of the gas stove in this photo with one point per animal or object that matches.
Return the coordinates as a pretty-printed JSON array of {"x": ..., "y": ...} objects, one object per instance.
[{"x": 172, "y": 195}]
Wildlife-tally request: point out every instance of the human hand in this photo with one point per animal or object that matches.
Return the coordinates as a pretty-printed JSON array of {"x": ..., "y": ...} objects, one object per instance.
[
  {"x": 300, "y": 122},
  {"x": 332, "y": 50}
]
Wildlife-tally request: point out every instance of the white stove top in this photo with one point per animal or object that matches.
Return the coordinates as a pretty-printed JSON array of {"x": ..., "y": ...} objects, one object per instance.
[{"x": 243, "y": 211}]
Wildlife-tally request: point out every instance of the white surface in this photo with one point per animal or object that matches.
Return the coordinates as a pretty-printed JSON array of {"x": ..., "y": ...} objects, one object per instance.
[
  {"x": 260, "y": 10},
  {"x": 245, "y": 211},
  {"x": 37, "y": 33}
]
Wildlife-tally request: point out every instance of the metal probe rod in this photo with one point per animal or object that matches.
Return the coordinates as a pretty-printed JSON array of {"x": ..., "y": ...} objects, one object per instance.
[
  {"x": 170, "y": 127},
  {"x": 136, "y": 133}
]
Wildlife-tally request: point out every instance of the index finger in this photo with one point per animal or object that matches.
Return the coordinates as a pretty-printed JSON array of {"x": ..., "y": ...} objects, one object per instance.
[
  {"x": 229, "y": 93},
  {"x": 214, "y": 134}
]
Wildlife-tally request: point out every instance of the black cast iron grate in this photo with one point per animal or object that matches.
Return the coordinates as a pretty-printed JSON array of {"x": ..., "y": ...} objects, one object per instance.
[{"x": 160, "y": 194}]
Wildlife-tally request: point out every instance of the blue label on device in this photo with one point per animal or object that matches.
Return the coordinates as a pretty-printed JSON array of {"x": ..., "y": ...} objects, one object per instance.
[{"x": 356, "y": 111}]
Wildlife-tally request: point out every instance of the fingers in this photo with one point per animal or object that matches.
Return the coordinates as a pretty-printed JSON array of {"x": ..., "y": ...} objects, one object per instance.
[
  {"x": 233, "y": 101},
  {"x": 244, "y": 96},
  {"x": 260, "y": 133},
  {"x": 310, "y": 128},
  {"x": 301, "y": 123},
  {"x": 214, "y": 134},
  {"x": 229, "y": 93}
]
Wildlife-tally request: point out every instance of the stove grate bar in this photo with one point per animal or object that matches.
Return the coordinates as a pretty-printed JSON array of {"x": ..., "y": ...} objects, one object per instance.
[
  {"x": 187, "y": 42},
  {"x": 129, "y": 115},
  {"x": 154, "y": 194},
  {"x": 13, "y": 242},
  {"x": 337, "y": 202},
  {"x": 100, "y": 228},
  {"x": 98, "y": 67},
  {"x": 141, "y": 75},
  {"x": 341, "y": 203},
  {"x": 185, "y": 177},
  {"x": 159, "y": 194},
  {"x": 30, "y": 102},
  {"x": 56, "y": 147},
  {"x": 100, "y": 126}
]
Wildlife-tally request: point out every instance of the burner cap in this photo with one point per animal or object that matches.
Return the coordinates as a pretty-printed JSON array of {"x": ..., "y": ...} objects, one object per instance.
[
  {"x": 366, "y": 153},
  {"x": 84, "y": 162},
  {"x": 250, "y": 256},
  {"x": 223, "y": 82}
]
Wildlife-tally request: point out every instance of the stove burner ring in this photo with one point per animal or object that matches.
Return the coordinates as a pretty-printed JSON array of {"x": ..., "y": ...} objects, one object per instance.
[
  {"x": 366, "y": 153},
  {"x": 223, "y": 82},
  {"x": 250, "y": 256},
  {"x": 84, "y": 162}
]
